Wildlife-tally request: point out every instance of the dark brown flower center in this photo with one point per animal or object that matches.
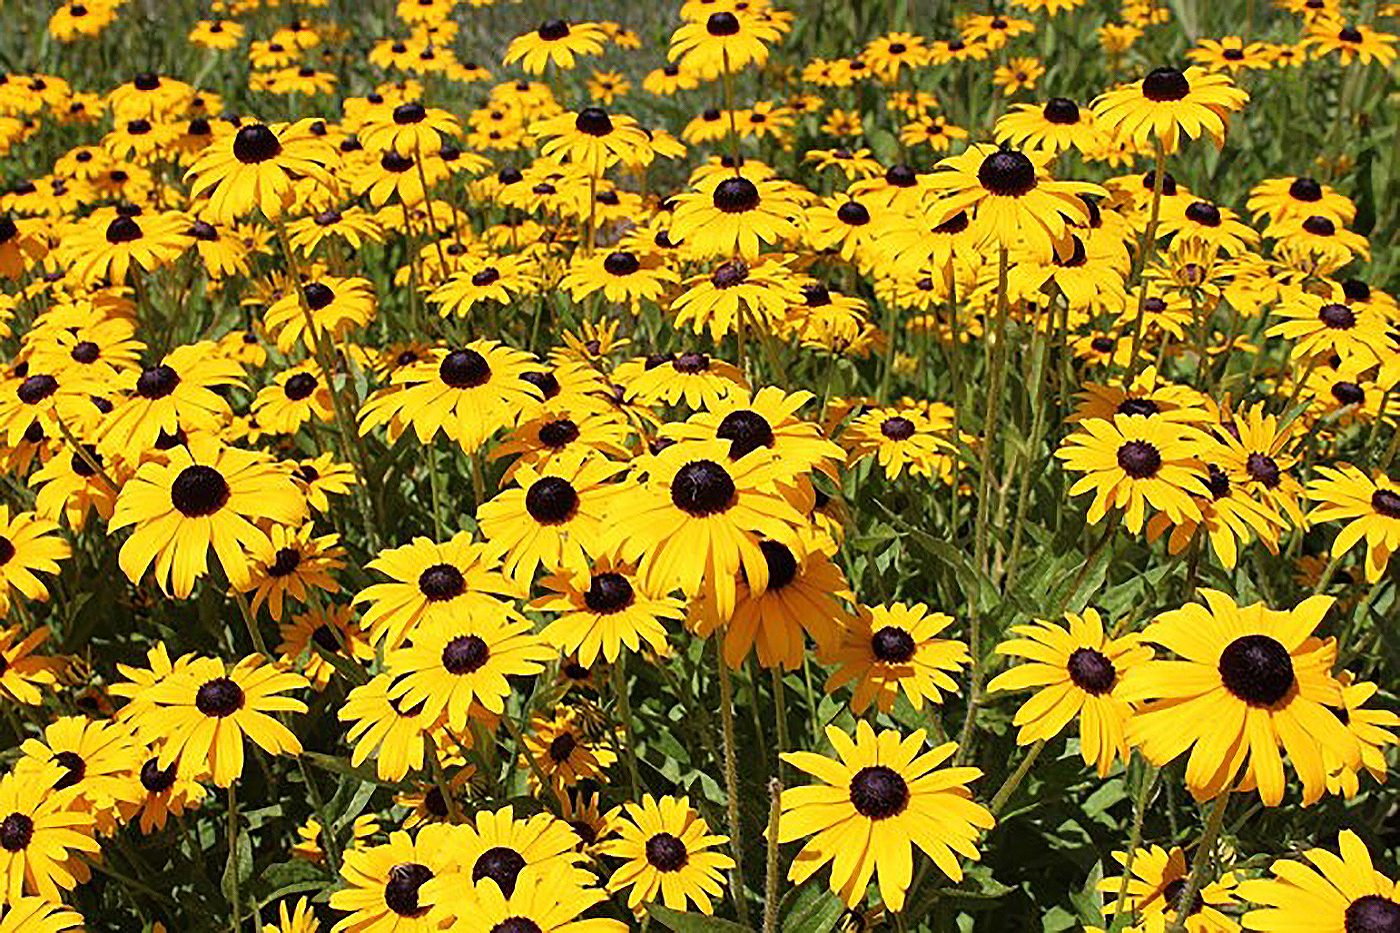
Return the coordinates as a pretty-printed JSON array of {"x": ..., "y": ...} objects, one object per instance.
[
  {"x": 879, "y": 792},
  {"x": 897, "y": 428},
  {"x": 608, "y": 593},
  {"x": 465, "y": 654},
  {"x": 1372, "y": 913},
  {"x": 621, "y": 263},
  {"x": 1007, "y": 173},
  {"x": 1061, "y": 110},
  {"x": 701, "y": 488},
  {"x": 782, "y": 564},
  {"x": 442, "y": 582},
  {"x": 1139, "y": 459},
  {"x": 255, "y": 143},
  {"x": 401, "y": 891},
  {"x": 1263, "y": 469},
  {"x": 1337, "y": 316},
  {"x": 735, "y": 195},
  {"x": 593, "y": 121},
  {"x": 198, "y": 491},
  {"x": 892, "y": 645},
  {"x": 155, "y": 779},
  {"x": 562, "y": 747},
  {"x": 1165, "y": 84},
  {"x": 551, "y": 500},
  {"x": 157, "y": 382},
  {"x": 299, "y": 386},
  {"x": 318, "y": 295},
  {"x": 218, "y": 698},
  {"x": 1091, "y": 671},
  {"x": 1256, "y": 669},
  {"x": 722, "y": 24},
  {"x": 464, "y": 369},
  {"x": 746, "y": 431},
  {"x": 556, "y": 435},
  {"x": 74, "y": 769},
  {"x": 666, "y": 852},
  {"x": 286, "y": 562},
  {"x": 553, "y": 30},
  {"x": 34, "y": 389},
  {"x": 501, "y": 865},
  {"x": 1386, "y": 502},
  {"x": 15, "y": 832}
]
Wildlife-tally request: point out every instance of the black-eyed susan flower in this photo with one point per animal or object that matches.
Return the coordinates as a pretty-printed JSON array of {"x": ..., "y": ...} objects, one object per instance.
[
  {"x": 552, "y": 517},
  {"x": 1372, "y": 729},
  {"x": 334, "y": 305},
  {"x": 395, "y": 733},
  {"x": 737, "y": 294},
  {"x": 696, "y": 519},
  {"x": 1131, "y": 462},
  {"x": 456, "y": 663},
  {"x": 723, "y": 42},
  {"x": 1075, "y": 669},
  {"x": 44, "y": 834},
  {"x": 696, "y": 379},
  {"x": 897, "y": 438},
  {"x": 670, "y": 857},
  {"x": 729, "y": 216},
  {"x": 484, "y": 278},
  {"x": 540, "y": 902},
  {"x": 255, "y": 167},
  {"x": 1009, "y": 197},
  {"x": 29, "y": 545},
  {"x": 297, "y": 396},
  {"x": 177, "y": 393},
  {"x": 1369, "y": 506},
  {"x": 886, "y": 650},
  {"x": 1299, "y": 196},
  {"x": 556, "y": 41},
  {"x": 1168, "y": 104},
  {"x": 1153, "y": 889},
  {"x": 323, "y": 631},
  {"x": 203, "y": 711},
  {"x": 1350, "y": 41},
  {"x": 594, "y": 139},
  {"x": 468, "y": 393},
  {"x": 807, "y": 596},
  {"x": 621, "y": 276},
  {"x": 1323, "y": 892},
  {"x": 1057, "y": 124},
  {"x": 882, "y": 796},
  {"x": 603, "y": 611},
  {"x": 508, "y": 850},
  {"x": 321, "y": 477},
  {"x": 564, "y": 751},
  {"x": 383, "y": 884},
  {"x": 427, "y": 579},
  {"x": 23, "y": 672},
  {"x": 203, "y": 496},
  {"x": 295, "y": 562},
  {"x": 163, "y": 793},
  {"x": 1248, "y": 678},
  {"x": 94, "y": 756}
]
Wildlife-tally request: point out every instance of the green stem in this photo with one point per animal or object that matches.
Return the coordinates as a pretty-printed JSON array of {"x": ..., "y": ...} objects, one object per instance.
[
  {"x": 780, "y": 712},
  {"x": 770, "y": 878},
  {"x": 1149, "y": 781},
  {"x": 731, "y": 784},
  {"x": 231, "y": 870},
  {"x": 624, "y": 706},
  {"x": 1013, "y": 780},
  {"x": 1205, "y": 853},
  {"x": 1149, "y": 250}
]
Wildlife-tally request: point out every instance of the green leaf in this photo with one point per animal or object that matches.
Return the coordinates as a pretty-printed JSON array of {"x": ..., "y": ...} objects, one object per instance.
[
  {"x": 1088, "y": 902},
  {"x": 811, "y": 908},
  {"x": 239, "y": 865},
  {"x": 678, "y": 922}
]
